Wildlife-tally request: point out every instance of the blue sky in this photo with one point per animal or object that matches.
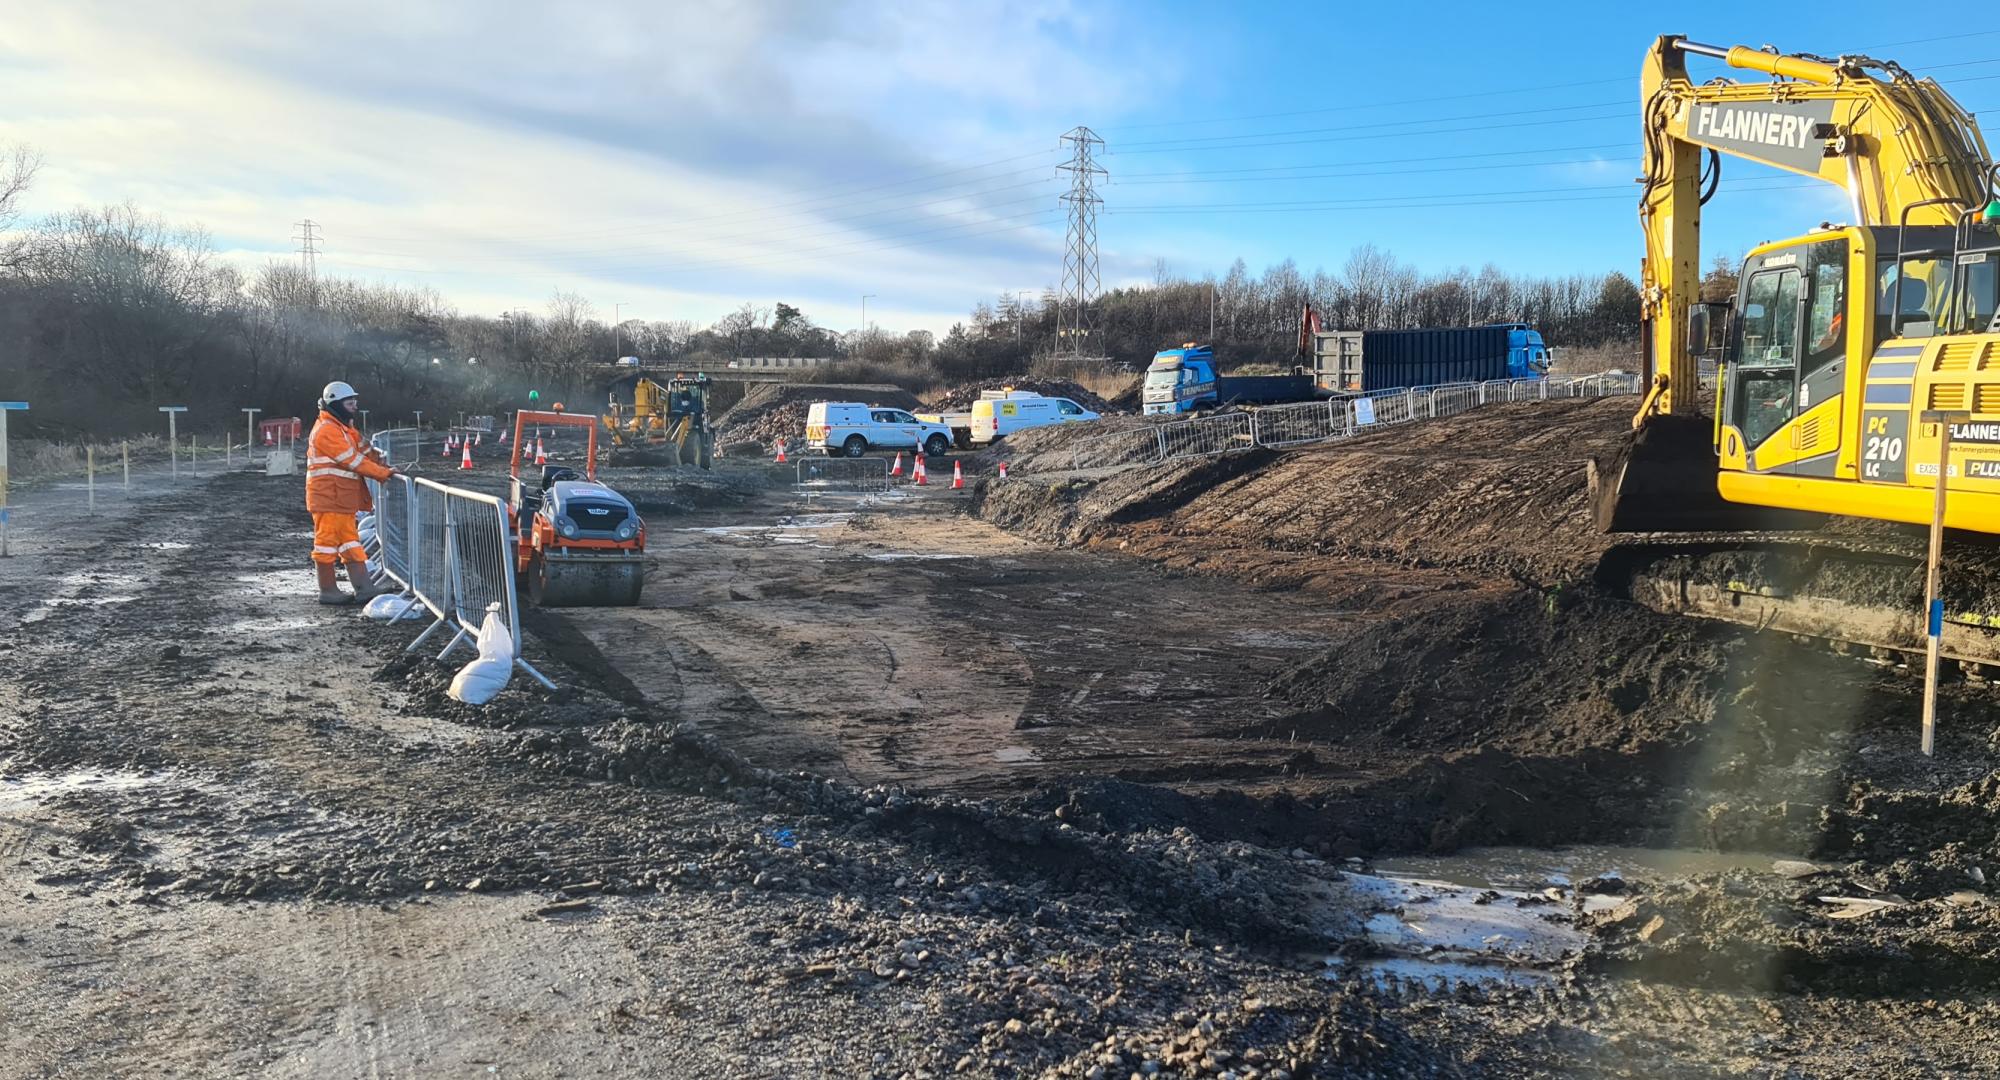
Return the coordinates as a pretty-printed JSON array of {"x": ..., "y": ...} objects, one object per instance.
[{"x": 675, "y": 161}]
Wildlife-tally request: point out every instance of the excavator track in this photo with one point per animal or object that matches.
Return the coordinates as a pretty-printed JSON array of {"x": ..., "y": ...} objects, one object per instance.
[{"x": 1861, "y": 595}]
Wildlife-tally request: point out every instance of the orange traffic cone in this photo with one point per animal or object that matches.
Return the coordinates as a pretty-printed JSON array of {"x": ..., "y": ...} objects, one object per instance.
[
  {"x": 897, "y": 468},
  {"x": 465, "y": 455},
  {"x": 446, "y": 452},
  {"x": 540, "y": 457},
  {"x": 917, "y": 473},
  {"x": 1003, "y": 470},
  {"x": 957, "y": 476},
  {"x": 780, "y": 459},
  {"x": 476, "y": 438}
]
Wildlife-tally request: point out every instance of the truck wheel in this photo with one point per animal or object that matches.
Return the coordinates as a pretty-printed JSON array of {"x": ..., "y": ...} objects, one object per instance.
[
  {"x": 855, "y": 446},
  {"x": 937, "y": 445}
]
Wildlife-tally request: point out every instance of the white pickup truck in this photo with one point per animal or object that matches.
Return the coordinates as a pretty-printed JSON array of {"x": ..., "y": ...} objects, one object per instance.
[
  {"x": 853, "y": 429},
  {"x": 999, "y": 412}
]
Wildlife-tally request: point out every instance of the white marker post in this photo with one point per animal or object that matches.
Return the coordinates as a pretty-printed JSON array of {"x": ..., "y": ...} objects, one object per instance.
[
  {"x": 90, "y": 476},
  {"x": 174, "y": 436},
  {"x": 250, "y": 431},
  {"x": 1933, "y": 603},
  {"x": 5, "y": 408}
]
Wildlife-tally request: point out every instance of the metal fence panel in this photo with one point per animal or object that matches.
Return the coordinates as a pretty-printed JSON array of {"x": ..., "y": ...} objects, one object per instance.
[
  {"x": 1134, "y": 446},
  {"x": 1296, "y": 425},
  {"x": 463, "y": 554},
  {"x": 865, "y": 474},
  {"x": 395, "y": 506},
  {"x": 399, "y": 446},
  {"x": 1281, "y": 426},
  {"x": 1217, "y": 434}
]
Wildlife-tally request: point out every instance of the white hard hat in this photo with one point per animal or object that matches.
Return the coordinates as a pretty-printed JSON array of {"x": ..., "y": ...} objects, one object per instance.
[{"x": 336, "y": 391}]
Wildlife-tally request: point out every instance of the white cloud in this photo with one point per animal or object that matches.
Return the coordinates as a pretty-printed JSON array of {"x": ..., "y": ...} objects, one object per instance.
[{"x": 683, "y": 157}]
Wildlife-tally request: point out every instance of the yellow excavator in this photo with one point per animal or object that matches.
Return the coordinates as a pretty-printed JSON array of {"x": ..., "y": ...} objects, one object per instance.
[{"x": 1841, "y": 354}]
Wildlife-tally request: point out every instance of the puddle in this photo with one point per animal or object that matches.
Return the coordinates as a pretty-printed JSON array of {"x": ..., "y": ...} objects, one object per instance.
[
  {"x": 295, "y": 583},
  {"x": 271, "y": 624},
  {"x": 802, "y": 521},
  {"x": 167, "y": 545},
  {"x": 899, "y": 556},
  {"x": 1431, "y": 931},
  {"x": 1014, "y": 755},
  {"x": 1535, "y": 869},
  {"x": 17, "y": 792}
]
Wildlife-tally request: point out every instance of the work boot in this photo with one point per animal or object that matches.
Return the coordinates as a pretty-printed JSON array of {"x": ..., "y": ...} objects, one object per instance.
[
  {"x": 329, "y": 588},
  {"x": 365, "y": 588}
]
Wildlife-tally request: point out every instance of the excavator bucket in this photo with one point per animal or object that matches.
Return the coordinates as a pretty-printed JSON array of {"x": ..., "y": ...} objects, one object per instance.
[
  {"x": 579, "y": 579},
  {"x": 1663, "y": 480}
]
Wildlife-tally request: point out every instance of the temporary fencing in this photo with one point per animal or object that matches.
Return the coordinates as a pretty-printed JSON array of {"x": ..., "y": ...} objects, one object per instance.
[
  {"x": 1284, "y": 426},
  {"x": 452, "y": 550},
  {"x": 399, "y": 446},
  {"x": 865, "y": 474}
]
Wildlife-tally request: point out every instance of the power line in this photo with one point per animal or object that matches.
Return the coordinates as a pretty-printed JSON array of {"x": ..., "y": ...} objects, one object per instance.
[
  {"x": 765, "y": 230},
  {"x": 793, "y": 256},
  {"x": 658, "y": 225},
  {"x": 1623, "y": 114},
  {"x": 1452, "y": 195},
  {"x": 1498, "y": 92},
  {"x": 1405, "y": 204},
  {"x": 1386, "y": 123},
  {"x": 1623, "y": 144}
]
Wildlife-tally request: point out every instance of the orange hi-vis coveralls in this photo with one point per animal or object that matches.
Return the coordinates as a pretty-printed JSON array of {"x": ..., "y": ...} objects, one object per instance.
[{"x": 337, "y": 462}]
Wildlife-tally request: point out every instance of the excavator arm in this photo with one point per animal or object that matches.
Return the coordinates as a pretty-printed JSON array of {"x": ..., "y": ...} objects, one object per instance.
[{"x": 1904, "y": 152}]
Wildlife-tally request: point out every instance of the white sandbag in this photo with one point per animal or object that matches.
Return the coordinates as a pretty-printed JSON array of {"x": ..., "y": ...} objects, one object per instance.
[
  {"x": 481, "y": 680},
  {"x": 390, "y": 607}
]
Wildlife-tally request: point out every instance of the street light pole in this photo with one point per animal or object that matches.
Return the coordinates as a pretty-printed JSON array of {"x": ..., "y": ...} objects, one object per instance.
[
  {"x": 864, "y": 311},
  {"x": 249, "y": 430},
  {"x": 617, "y": 333},
  {"x": 420, "y": 419}
]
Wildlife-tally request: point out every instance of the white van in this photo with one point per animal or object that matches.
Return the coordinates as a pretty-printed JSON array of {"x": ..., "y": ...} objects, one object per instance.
[
  {"x": 853, "y": 429},
  {"x": 1000, "y": 412}
]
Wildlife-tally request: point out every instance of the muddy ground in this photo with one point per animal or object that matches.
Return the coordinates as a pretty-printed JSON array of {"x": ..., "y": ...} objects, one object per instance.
[{"x": 875, "y": 787}]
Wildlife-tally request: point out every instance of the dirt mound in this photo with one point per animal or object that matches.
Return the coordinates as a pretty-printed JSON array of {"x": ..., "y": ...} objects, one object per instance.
[
  {"x": 1502, "y": 490},
  {"x": 1075, "y": 512},
  {"x": 773, "y": 411},
  {"x": 1052, "y": 448},
  {"x": 960, "y": 398}
]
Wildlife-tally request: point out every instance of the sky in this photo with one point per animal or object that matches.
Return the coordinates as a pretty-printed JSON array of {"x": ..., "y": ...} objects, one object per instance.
[{"x": 677, "y": 160}]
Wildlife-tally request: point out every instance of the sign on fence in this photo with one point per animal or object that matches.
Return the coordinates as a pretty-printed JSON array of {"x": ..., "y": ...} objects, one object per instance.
[{"x": 1364, "y": 411}]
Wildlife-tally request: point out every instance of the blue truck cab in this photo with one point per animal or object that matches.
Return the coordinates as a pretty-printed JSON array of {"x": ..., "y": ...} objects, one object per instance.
[
  {"x": 1527, "y": 356},
  {"x": 1179, "y": 380},
  {"x": 1184, "y": 379}
]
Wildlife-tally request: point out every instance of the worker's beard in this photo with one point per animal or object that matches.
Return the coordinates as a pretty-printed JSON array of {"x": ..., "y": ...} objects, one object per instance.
[{"x": 350, "y": 410}]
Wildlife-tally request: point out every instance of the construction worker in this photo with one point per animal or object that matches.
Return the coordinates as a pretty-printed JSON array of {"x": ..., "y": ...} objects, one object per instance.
[{"x": 337, "y": 461}]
